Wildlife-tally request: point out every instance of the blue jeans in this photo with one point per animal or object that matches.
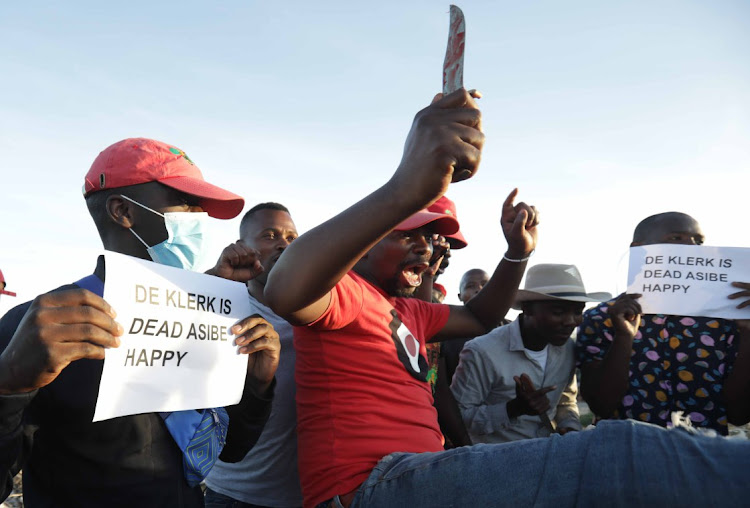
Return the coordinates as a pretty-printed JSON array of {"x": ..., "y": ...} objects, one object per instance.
[{"x": 618, "y": 464}]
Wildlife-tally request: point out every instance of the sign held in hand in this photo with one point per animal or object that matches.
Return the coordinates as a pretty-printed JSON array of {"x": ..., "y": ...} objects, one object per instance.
[
  {"x": 688, "y": 280},
  {"x": 177, "y": 352}
]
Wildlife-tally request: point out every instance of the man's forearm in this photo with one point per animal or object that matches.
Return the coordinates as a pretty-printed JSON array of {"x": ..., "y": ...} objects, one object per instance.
[
  {"x": 566, "y": 415},
  {"x": 445, "y": 135},
  {"x": 605, "y": 383},
  {"x": 736, "y": 391},
  {"x": 12, "y": 445},
  {"x": 315, "y": 262},
  {"x": 246, "y": 421},
  {"x": 449, "y": 414},
  {"x": 492, "y": 303},
  {"x": 486, "y": 418}
]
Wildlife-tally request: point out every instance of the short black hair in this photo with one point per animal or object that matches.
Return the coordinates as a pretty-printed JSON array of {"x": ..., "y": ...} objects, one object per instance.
[
  {"x": 262, "y": 206},
  {"x": 644, "y": 228},
  {"x": 97, "y": 205},
  {"x": 472, "y": 271},
  {"x": 96, "y": 202}
]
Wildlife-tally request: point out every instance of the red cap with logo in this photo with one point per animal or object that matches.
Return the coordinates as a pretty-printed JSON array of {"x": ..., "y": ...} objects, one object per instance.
[
  {"x": 448, "y": 207},
  {"x": 140, "y": 160}
]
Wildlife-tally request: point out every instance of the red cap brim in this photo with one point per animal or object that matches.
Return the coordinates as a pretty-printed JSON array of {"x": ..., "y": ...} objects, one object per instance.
[
  {"x": 215, "y": 201},
  {"x": 9, "y": 293},
  {"x": 441, "y": 223},
  {"x": 457, "y": 240}
]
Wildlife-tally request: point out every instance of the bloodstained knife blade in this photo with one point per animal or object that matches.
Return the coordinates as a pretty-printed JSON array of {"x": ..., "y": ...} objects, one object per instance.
[{"x": 453, "y": 67}]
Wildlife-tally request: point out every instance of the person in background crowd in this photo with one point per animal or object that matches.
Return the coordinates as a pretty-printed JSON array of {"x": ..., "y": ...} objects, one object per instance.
[
  {"x": 471, "y": 283},
  {"x": 648, "y": 367},
  {"x": 267, "y": 476},
  {"x": 449, "y": 415},
  {"x": 518, "y": 381},
  {"x": 148, "y": 200}
]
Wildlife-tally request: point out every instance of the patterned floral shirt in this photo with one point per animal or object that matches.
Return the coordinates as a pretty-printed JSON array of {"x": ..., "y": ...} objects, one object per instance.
[{"x": 678, "y": 363}]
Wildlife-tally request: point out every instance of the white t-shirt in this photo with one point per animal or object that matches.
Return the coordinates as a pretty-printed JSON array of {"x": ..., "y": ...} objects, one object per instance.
[{"x": 539, "y": 357}]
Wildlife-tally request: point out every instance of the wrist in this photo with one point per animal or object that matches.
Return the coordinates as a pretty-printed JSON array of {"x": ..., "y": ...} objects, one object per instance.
[
  {"x": 518, "y": 255},
  {"x": 260, "y": 389},
  {"x": 399, "y": 193},
  {"x": 624, "y": 336}
]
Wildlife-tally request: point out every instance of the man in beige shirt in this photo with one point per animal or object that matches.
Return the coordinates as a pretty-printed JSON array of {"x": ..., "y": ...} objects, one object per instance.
[{"x": 518, "y": 381}]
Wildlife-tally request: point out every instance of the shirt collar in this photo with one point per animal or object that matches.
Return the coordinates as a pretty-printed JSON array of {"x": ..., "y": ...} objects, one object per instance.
[{"x": 516, "y": 341}]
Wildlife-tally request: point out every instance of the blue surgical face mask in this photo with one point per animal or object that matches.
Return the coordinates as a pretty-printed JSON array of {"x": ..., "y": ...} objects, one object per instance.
[{"x": 184, "y": 247}]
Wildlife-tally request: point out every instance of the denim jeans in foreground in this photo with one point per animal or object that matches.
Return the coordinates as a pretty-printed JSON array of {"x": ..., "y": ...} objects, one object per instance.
[{"x": 617, "y": 464}]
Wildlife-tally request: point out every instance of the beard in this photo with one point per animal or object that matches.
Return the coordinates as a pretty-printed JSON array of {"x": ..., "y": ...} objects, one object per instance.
[{"x": 403, "y": 292}]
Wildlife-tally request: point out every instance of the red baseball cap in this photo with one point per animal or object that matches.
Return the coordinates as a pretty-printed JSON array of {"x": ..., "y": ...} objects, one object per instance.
[
  {"x": 140, "y": 160},
  {"x": 2, "y": 286},
  {"x": 448, "y": 207},
  {"x": 440, "y": 288},
  {"x": 444, "y": 224}
]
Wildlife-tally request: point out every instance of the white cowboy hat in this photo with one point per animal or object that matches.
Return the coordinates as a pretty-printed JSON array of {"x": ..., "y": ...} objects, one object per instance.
[{"x": 556, "y": 282}]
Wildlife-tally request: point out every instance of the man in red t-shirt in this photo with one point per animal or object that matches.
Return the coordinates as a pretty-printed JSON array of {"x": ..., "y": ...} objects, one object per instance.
[{"x": 367, "y": 431}]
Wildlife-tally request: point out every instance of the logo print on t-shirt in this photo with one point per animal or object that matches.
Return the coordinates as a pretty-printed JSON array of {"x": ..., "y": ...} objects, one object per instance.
[{"x": 407, "y": 349}]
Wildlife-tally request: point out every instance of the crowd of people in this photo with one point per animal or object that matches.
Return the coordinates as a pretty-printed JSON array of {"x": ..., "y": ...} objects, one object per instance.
[{"x": 362, "y": 388}]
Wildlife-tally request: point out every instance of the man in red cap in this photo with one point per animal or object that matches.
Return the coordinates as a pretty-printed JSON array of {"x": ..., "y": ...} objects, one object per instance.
[
  {"x": 367, "y": 431},
  {"x": 449, "y": 414},
  {"x": 148, "y": 200},
  {"x": 431, "y": 290},
  {"x": 361, "y": 367}
]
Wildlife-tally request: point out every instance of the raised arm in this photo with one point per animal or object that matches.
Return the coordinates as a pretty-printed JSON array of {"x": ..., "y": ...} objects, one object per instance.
[
  {"x": 605, "y": 382},
  {"x": 487, "y": 309},
  {"x": 444, "y": 145}
]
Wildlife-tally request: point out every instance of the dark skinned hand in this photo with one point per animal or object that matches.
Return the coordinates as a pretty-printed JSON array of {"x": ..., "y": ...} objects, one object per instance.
[
  {"x": 519, "y": 223},
  {"x": 257, "y": 338},
  {"x": 58, "y": 329},
  {"x": 529, "y": 400},
  {"x": 444, "y": 145},
  {"x": 626, "y": 315},
  {"x": 440, "y": 247},
  {"x": 742, "y": 324},
  {"x": 237, "y": 262}
]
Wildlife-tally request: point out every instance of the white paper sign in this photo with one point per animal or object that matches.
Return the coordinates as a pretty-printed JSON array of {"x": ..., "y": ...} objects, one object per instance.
[
  {"x": 689, "y": 280},
  {"x": 177, "y": 351}
]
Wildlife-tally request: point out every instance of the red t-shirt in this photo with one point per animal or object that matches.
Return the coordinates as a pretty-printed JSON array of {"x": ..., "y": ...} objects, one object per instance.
[{"x": 361, "y": 386}]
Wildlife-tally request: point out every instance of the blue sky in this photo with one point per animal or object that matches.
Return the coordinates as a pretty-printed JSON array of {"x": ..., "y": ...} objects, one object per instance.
[{"x": 600, "y": 112}]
